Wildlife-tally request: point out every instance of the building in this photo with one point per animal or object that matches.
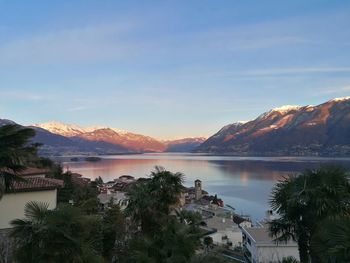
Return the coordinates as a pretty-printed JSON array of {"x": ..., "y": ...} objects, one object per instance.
[
  {"x": 226, "y": 233},
  {"x": 118, "y": 198},
  {"x": 34, "y": 187},
  {"x": 241, "y": 221},
  {"x": 198, "y": 189},
  {"x": 34, "y": 172},
  {"x": 127, "y": 179},
  {"x": 261, "y": 248},
  {"x": 79, "y": 179},
  {"x": 120, "y": 184},
  {"x": 31, "y": 189},
  {"x": 225, "y": 224}
]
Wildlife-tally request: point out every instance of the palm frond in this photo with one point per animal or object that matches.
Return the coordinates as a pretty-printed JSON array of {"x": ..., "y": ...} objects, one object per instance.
[{"x": 34, "y": 210}]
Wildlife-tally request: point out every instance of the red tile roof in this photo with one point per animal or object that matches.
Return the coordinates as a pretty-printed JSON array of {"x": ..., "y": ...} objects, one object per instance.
[
  {"x": 34, "y": 171},
  {"x": 36, "y": 184},
  {"x": 29, "y": 171},
  {"x": 79, "y": 179}
]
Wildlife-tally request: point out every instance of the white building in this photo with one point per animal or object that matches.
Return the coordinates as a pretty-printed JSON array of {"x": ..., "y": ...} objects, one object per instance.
[
  {"x": 227, "y": 225},
  {"x": 227, "y": 232},
  {"x": 117, "y": 198},
  {"x": 261, "y": 248}
]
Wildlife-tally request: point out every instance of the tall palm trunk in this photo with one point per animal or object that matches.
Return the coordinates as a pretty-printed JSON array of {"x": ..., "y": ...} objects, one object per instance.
[{"x": 303, "y": 249}]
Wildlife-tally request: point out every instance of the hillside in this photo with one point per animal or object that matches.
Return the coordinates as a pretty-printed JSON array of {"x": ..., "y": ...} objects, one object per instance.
[
  {"x": 184, "y": 145},
  {"x": 60, "y": 138},
  {"x": 290, "y": 130}
]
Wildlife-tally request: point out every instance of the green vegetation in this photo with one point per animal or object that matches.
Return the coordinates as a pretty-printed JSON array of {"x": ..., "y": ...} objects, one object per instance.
[
  {"x": 16, "y": 153},
  {"x": 61, "y": 235},
  {"x": 289, "y": 260},
  {"x": 309, "y": 205},
  {"x": 313, "y": 208},
  {"x": 149, "y": 230},
  {"x": 331, "y": 241},
  {"x": 161, "y": 236}
]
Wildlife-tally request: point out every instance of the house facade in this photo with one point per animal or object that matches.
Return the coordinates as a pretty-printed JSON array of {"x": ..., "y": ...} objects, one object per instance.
[
  {"x": 34, "y": 187},
  {"x": 261, "y": 248}
]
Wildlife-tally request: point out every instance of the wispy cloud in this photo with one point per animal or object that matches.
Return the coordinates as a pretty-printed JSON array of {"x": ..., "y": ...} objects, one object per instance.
[
  {"x": 243, "y": 41},
  {"x": 109, "y": 42},
  {"x": 77, "y": 108},
  {"x": 261, "y": 43},
  {"x": 336, "y": 90},
  {"x": 271, "y": 72},
  {"x": 21, "y": 96},
  {"x": 293, "y": 71},
  {"x": 77, "y": 45}
]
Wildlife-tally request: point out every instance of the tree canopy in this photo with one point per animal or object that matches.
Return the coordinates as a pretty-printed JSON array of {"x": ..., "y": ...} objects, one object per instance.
[
  {"x": 304, "y": 201},
  {"x": 16, "y": 152}
]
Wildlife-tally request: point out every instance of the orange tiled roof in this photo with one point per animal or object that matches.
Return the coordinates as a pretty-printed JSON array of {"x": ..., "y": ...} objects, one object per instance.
[
  {"x": 34, "y": 171},
  {"x": 36, "y": 184},
  {"x": 29, "y": 171}
]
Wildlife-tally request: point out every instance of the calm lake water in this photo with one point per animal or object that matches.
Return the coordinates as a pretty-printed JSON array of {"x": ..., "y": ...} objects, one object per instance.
[{"x": 242, "y": 182}]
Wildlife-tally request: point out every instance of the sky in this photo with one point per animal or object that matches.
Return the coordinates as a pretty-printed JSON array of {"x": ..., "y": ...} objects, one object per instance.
[{"x": 169, "y": 69}]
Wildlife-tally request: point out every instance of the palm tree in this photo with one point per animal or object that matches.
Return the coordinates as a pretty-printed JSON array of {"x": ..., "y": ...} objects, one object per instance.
[
  {"x": 36, "y": 239},
  {"x": 332, "y": 240},
  {"x": 26, "y": 231},
  {"x": 162, "y": 236},
  {"x": 15, "y": 153},
  {"x": 52, "y": 235},
  {"x": 172, "y": 243},
  {"x": 166, "y": 187},
  {"x": 141, "y": 206},
  {"x": 114, "y": 231},
  {"x": 151, "y": 199},
  {"x": 304, "y": 201},
  {"x": 289, "y": 260}
]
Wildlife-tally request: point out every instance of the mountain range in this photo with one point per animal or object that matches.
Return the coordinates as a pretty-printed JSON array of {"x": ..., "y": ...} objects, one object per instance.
[
  {"x": 64, "y": 139},
  {"x": 322, "y": 130}
]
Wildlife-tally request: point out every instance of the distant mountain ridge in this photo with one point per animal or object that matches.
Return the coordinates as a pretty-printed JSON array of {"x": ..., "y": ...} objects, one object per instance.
[
  {"x": 184, "y": 145},
  {"x": 322, "y": 130},
  {"x": 58, "y": 138},
  {"x": 71, "y": 130}
]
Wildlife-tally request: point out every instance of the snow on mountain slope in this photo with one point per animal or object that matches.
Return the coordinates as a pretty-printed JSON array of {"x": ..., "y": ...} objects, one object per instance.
[
  {"x": 71, "y": 130},
  {"x": 125, "y": 139},
  {"x": 289, "y": 130},
  {"x": 287, "y": 108},
  {"x": 60, "y": 128}
]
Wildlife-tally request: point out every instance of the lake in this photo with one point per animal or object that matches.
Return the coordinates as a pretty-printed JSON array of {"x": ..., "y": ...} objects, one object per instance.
[{"x": 242, "y": 182}]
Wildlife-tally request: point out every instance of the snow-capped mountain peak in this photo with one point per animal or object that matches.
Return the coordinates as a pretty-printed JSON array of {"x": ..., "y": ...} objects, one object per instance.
[
  {"x": 287, "y": 108},
  {"x": 119, "y": 131},
  {"x": 61, "y": 128},
  {"x": 282, "y": 110},
  {"x": 94, "y": 128},
  {"x": 289, "y": 130},
  {"x": 71, "y": 130},
  {"x": 341, "y": 99}
]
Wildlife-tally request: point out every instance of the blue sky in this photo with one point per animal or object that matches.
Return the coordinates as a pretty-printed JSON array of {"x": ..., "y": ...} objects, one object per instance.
[{"x": 169, "y": 68}]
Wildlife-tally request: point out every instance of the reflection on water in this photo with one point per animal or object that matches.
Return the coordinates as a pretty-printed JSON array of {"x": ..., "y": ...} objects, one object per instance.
[{"x": 243, "y": 182}]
